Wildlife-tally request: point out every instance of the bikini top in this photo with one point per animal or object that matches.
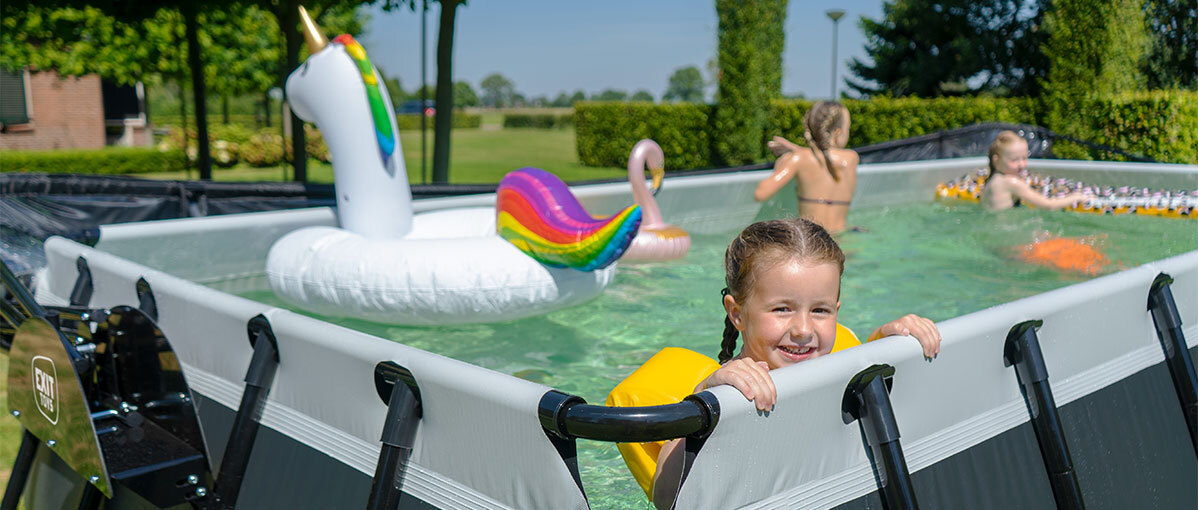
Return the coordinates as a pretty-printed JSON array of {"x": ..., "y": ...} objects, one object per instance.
[{"x": 825, "y": 201}]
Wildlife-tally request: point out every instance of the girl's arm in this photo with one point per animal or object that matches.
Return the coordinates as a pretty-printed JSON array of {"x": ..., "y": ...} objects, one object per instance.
[
  {"x": 1029, "y": 195},
  {"x": 922, "y": 329},
  {"x": 784, "y": 171},
  {"x": 780, "y": 146}
]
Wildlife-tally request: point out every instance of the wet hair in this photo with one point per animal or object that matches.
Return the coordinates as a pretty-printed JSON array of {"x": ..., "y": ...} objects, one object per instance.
[
  {"x": 819, "y": 123},
  {"x": 762, "y": 245},
  {"x": 1002, "y": 141}
]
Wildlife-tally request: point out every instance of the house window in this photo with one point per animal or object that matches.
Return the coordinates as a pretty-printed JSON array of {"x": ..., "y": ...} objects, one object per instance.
[{"x": 14, "y": 106}]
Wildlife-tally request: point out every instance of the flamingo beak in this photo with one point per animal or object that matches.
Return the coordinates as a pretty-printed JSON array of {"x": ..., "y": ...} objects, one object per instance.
[
  {"x": 659, "y": 174},
  {"x": 312, "y": 34}
]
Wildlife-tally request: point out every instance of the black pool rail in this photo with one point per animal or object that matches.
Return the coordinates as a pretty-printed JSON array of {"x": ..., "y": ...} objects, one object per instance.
[
  {"x": 1167, "y": 321},
  {"x": 867, "y": 401},
  {"x": 1022, "y": 349},
  {"x": 398, "y": 389}
]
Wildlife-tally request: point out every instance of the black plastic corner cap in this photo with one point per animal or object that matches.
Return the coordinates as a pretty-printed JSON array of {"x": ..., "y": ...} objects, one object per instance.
[
  {"x": 259, "y": 326},
  {"x": 145, "y": 299},
  {"x": 552, "y": 411},
  {"x": 1011, "y": 353},
  {"x": 389, "y": 373},
  {"x": 850, "y": 404}
]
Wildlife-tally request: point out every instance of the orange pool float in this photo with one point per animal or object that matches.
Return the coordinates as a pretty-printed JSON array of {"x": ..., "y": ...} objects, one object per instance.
[{"x": 1065, "y": 254}]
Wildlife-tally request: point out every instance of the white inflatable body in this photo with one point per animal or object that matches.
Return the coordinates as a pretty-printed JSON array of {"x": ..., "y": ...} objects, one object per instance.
[
  {"x": 434, "y": 275},
  {"x": 384, "y": 264}
]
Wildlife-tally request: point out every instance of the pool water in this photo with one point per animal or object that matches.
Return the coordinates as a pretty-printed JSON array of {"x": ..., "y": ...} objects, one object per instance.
[{"x": 939, "y": 260}]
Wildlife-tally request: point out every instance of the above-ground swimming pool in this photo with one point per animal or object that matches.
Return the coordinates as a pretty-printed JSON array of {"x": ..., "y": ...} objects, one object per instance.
[
  {"x": 939, "y": 260},
  {"x": 943, "y": 260}
]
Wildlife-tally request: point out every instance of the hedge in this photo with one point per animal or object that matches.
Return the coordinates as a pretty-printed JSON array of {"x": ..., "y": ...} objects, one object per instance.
[
  {"x": 110, "y": 161},
  {"x": 1162, "y": 125},
  {"x": 607, "y": 131},
  {"x": 460, "y": 121},
  {"x": 538, "y": 120}
]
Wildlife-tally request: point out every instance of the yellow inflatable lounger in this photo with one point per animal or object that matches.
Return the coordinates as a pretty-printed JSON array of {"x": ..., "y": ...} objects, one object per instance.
[
  {"x": 667, "y": 378},
  {"x": 1099, "y": 199}
]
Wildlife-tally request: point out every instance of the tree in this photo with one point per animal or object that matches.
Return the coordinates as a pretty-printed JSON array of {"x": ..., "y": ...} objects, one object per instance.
[
  {"x": 642, "y": 95},
  {"x": 686, "y": 85},
  {"x": 611, "y": 95},
  {"x": 1095, "y": 47},
  {"x": 750, "y": 56},
  {"x": 1173, "y": 59},
  {"x": 562, "y": 100},
  {"x": 951, "y": 47},
  {"x": 498, "y": 91},
  {"x": 464, "y": 95},
  {"x": 395, "y": 90},
  {"x": 577, "y": 96}
]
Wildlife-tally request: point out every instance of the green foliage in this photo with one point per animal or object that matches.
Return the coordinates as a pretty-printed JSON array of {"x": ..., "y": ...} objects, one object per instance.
[
  {"x": 1095, "y": 47},
  {"x": 606, "y": 132},
  {"x": 933, "y": 47},
  {"x": 642, "y": 95},
  {"x": 464, "y": 95},
  {"x": 108, "y": 161},
  {"x": 610, "y": 95},
  {"x": 460, "y": 121},
  {"x": 263, "y": 149},
  {"x": 750, "y": 48},
  {"x": 1162, "y": 125},
  {"x": 498, "y": 91},
  {"x": 538, "y": 120},
  {"x": 686, "y": 85},
  {"x": 1173, "y": 59}
]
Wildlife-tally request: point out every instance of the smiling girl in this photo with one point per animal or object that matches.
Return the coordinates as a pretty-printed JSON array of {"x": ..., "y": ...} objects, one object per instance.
[{"x": 782, "y": 296}]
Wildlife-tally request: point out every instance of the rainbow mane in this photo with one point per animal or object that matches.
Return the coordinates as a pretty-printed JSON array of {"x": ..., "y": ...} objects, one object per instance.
[
  {"x": 536, "y": 212},
  {"x": 378, "y": 109}
]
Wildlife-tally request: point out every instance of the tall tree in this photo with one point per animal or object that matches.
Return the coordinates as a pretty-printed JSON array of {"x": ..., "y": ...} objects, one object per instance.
[
  {"x": 498, "y": 91},
  {"x": 642, "y": 95},
  {"x": 686, "y": 85},
  {"x": 951, "y": 47},
  {"x": 1173, "y": 59},
  {"x": 750, "y": 58},
  {"x": 464, "y": 95}
]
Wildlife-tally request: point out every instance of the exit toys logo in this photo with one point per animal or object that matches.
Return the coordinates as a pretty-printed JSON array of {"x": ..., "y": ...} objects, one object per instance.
[{"x": 45, "y": 387}]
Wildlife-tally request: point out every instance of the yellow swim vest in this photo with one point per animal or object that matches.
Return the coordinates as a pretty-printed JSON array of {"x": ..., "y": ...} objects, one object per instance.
[{"x": 667, "y": 378}]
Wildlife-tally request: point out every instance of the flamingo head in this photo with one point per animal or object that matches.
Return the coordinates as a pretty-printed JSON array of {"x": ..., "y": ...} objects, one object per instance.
[{"x": 646, "y": 153}]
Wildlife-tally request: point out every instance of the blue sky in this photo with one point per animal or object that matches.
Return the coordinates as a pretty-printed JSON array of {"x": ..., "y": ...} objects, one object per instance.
[{"x": 546, "y": 47}]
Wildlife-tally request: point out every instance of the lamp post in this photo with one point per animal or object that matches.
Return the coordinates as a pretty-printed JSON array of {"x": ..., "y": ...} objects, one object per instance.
[{"x": 834, "y": 15}]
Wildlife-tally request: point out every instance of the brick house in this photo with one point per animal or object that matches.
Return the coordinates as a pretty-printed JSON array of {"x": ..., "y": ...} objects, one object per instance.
[{"x": 41, "y": 110}]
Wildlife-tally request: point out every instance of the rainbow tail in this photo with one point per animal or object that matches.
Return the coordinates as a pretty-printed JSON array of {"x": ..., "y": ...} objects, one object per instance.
[{"x": 536, "y": 212}]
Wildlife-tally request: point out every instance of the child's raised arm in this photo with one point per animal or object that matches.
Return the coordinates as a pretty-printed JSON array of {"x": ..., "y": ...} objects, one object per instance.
[
  {"x": 1029, "y": 195},
  {"x": 922, "y": 329},
  {"x": 784, "y": 171}
]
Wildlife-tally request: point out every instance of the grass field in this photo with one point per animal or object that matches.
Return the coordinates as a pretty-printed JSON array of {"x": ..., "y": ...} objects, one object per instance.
[
  {"x": 476, "y": 156},
  {"x": 10, "y": 429}
]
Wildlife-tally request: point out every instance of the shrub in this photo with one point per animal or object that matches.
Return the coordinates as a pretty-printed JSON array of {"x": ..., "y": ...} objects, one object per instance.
[
  {"x": 107, "y": 161},
  {"x": 606, "y": 132},
  {"x": 263, "y": 149},
  {"x": 530, "y": 120},
  {"x": 750, "y": 57},
  {"x": 1162, "y": 125},
  {"x": 461, "y": 120}
]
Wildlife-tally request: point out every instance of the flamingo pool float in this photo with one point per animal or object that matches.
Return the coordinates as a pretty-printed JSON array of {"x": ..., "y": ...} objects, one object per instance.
[{"x": 656, "y": 240}]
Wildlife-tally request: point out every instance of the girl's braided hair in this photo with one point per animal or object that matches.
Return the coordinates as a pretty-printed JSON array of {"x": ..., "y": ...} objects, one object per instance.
[
  {"x": 819, "y": 122},
  {"x": 763, "y": 244}
]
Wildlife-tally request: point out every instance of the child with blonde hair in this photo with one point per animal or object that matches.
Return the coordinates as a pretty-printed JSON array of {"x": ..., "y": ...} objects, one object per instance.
[
  {"x": 1007, "y": 186},
  {"x": 825, "y": 171},
  {"x": 782, "y": 296}
]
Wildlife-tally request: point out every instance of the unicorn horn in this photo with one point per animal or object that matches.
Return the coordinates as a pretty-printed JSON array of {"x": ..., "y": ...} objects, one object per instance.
[{"x": 312, "y": 34}]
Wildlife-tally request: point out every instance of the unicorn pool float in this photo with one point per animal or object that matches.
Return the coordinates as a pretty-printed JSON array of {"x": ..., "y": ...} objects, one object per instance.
[{"x": 537, "y": 251}]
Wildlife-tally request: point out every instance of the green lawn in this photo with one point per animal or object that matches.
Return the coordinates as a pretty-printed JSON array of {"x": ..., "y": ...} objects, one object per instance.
[
  {"x": 476, "y": 156},
  {"x": 10, "y": 429}
]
